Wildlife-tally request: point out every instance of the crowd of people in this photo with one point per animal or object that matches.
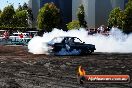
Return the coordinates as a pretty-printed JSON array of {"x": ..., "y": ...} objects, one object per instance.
[
  {"x": 101, "y": 30},
  {"x": 21, "y": 35}
]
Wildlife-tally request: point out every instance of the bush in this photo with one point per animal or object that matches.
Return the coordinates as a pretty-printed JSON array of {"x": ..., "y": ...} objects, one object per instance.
[
  {"x": 21, "y": 18},
  {"x": 49, "y": 17},
  {"x": 116, "y": 18},
  {"x": 122, "y": 19},
  {"x": 73, "y": 25},
  {"x": 7, "y": 16}
]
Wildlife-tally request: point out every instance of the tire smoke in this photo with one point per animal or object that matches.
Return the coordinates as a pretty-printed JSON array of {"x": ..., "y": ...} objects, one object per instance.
[{"x": 116, "y": 42}]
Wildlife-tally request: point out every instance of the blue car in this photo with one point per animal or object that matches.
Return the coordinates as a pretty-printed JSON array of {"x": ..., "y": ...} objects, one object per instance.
[{"x": 69, "y": 46}]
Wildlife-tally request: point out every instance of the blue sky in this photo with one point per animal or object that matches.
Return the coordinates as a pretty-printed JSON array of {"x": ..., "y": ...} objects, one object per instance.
[{"x": 4, "y": 3}]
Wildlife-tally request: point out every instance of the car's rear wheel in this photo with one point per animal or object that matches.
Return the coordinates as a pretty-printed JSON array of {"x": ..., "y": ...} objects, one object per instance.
[{"x": 83, "y": 52}]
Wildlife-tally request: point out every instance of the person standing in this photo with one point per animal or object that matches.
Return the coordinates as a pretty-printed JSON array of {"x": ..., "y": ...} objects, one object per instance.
[
  {"x": 6, "y": 35},
  {"x": 21, "y": 35}
]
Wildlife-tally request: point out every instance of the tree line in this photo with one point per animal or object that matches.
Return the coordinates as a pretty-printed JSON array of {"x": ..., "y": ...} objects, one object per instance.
[
  {"x": 49, "y": 17},
  {"x": 11, "y": 18}
]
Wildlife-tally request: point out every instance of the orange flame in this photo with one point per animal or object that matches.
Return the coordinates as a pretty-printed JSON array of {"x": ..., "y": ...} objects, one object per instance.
[{"x": 81, "y": 71}]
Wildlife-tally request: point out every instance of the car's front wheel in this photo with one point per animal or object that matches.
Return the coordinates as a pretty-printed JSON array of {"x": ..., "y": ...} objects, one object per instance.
[
  {"x": 85, "y": 52},
  {"x": 90, "y": 51}
]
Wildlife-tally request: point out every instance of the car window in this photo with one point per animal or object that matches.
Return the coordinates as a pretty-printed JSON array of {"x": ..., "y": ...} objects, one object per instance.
[
  {"x": 57, "y": 40},
  {"x": 26, "y": 34},
  {"x": 15, "y": 34},
  {"x": 77, "y": 40}
]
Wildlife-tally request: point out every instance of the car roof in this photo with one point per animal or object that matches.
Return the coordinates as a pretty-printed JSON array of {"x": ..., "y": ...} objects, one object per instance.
[
  {"x": 3, "y": 30},
  {"x": 20, "y": 33}
]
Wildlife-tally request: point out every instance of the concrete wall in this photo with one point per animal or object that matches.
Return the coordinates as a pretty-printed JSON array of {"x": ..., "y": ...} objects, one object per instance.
[
  {"x": 89, "y": 7},
  {"x": 75, "y": 5},
  {"x": 117, "y": 3},
  {"x": 96, "y": 11},
  {"x": 35, "y": 6},
  {"x": 66, "y": 10},
  {"x": 102, "y": 10}
]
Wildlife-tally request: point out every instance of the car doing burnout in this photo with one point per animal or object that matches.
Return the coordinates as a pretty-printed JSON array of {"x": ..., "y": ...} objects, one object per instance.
[{"x": 69, "y": 46}]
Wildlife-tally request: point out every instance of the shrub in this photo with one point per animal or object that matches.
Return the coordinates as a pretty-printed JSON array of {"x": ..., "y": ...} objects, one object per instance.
[
  {"x": 49, "y": 17},
  {"x": 73, "y": 25}
]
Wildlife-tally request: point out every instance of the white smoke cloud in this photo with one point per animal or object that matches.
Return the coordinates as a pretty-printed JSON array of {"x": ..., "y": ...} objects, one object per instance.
[
  {"x": 37, "y": 46},
  {"x": 115, "y": 42}
]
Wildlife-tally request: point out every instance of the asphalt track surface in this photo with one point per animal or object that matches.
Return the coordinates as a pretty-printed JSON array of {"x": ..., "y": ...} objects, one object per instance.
[{"x": 21, "y": 69}]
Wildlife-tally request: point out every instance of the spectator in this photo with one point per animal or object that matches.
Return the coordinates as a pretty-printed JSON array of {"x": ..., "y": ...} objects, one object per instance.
[
  {"x": 21, "y": 35},
  {"x": 6, "y": 35}
]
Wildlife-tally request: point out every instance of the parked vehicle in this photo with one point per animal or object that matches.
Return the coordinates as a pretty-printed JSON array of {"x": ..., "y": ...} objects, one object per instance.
[
  {"x": 69, "y": 46},
  {"x": 20, "y": 38},
  {"x": 32, "y": 33},
  {"x": 4, "y": 35}
]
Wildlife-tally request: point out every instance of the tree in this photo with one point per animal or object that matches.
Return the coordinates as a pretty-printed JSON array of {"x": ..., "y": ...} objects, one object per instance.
[
  {"x": 73, "y": 25},
  {"x": 122, "y": 19},
  {"x": 21, "y": 18},
  {"x": 26, "y": 14},
  {"x": 25, "y": 6},
  {"x": 49, "y": 17},
  {"x": 7, "y": 16},
  {"x": 81, "y": 16},
  {"x": 128, "y": 14},
  {"x": 19, "y": 8},
  {"x": 117, "y": 18}
]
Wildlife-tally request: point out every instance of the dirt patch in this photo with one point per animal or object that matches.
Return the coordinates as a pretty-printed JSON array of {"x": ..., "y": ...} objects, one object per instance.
[{"x": 21, "y": 69}]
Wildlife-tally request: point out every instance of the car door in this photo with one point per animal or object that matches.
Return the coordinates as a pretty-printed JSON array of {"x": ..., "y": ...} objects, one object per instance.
[{"x": 59, "y": 44}]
